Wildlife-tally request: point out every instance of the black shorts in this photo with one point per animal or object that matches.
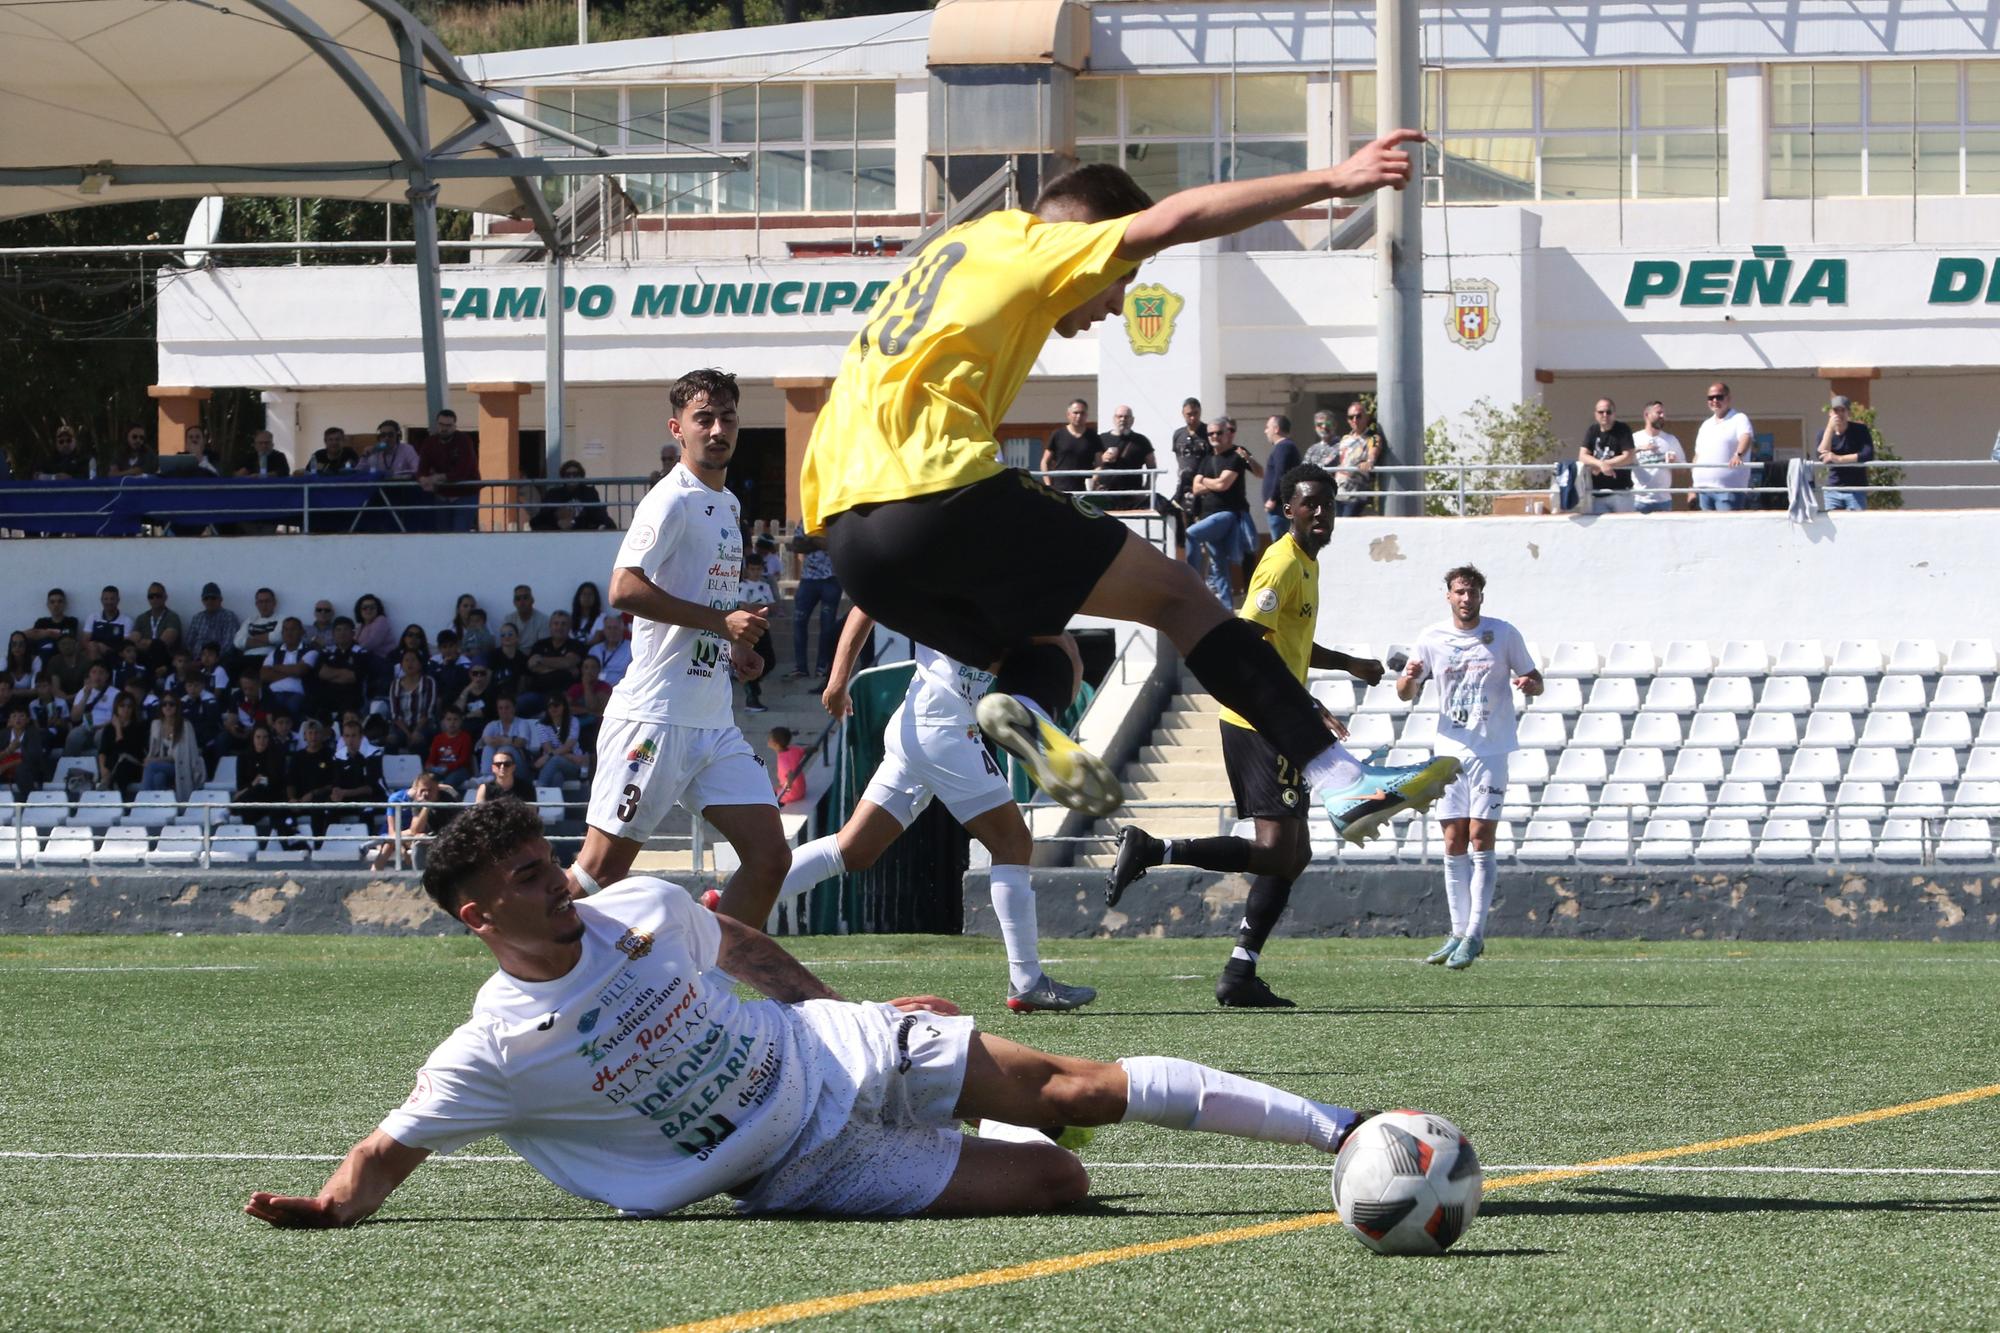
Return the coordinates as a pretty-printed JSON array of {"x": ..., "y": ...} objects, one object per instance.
[
  {"x": 977, "y": 571},
  {"x": 1266, "y": 785}
]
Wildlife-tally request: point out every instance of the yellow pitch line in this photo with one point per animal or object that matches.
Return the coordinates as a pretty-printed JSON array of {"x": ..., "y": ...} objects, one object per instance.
[{"x": 792, "y": 1311}]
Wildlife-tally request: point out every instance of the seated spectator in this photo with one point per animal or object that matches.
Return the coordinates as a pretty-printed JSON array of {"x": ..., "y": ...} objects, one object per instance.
[
  {"x": 1608, "y": 453},
  {"x": 173, "y": 753},
  {"x": 265, "y": 460},
  {"x": 571, "y": 505},
  {"x": 195, "y": 445},
  {"x": 1849, "y": 446},
  {"x": 504, "y": 781},
  {"x": 203, "y": 711},
  {"x": 552, "y": 665},
  {"x": 413, "y": 698},
  {"x": 392, "y": 458},
  {"x": 334, "y": 455},
  {"x": 319, "y": 634},
  {"x": 22, "y": 664},
  {"x": 505, "y": 734},
  {"x": 508, "y": 663},
  {"x": 157, "y": 621},
  {"x": 23, "y": 751},
  {"x": 416, "y": 814},
  {"x": 340, "y": 680},
  {"x": 586, "y": 612},
  {"x": 288, "y": 667},
  {"x": 108, "y": 628},
  {"x": 121, "y": 748},
  {"x": 261, "y": 775},
  {"x": 589, "y": 697},
  {"x": 309, "y": 776},
  {"x": 245, "y": 709},
  {"x": 90, "y": 708},
  {"x": 213, "y": 673},
  {"x": 357, "y": 772},
  {"x": 453, "y": 750},
  {"x": 414, "y": 640},
  {"x": 614, "y": 654},
  {"x": 70, "y": 461},
  {"x": 1656, "y": 453},
  {"x": 530, "y": 625},
  {"x": 283, "y": 734},
  {"x": 58, "y": 622},
  {"x": 214, "y": 623},
  {"x": 50, "y": 713},
  {"x": 477, "y": 641},
  {"x": 134, "y": 458},
  {"x": 259, "y": 633},
  {"x": 789, "y": 766},
  {"x": 476, "y": 700},
  {"x": 375, "y": 635},
  {"x": 461, "y": 613},
  {"x": 127, "y": 666},
  {"x": 559, "y": 753},
  {"x": 449, "y": 667}
]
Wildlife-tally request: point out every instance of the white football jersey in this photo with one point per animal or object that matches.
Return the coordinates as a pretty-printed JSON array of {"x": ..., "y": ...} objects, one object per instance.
[
  {"x": 1474, "y": 671},
  {"x": 943, "y": 690},
  {"x": 688, "y": 541}
]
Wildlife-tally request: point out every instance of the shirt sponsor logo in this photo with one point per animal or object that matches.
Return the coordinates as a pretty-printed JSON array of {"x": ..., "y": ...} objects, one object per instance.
[
  {"x": 642, "y": 536},
  {"x": 645, "y": 752},
  {"x": 588, "y": 1021},
  {"x": 422, "y": 1092}
]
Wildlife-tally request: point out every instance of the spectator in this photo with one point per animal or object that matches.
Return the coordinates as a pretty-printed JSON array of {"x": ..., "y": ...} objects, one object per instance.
[
  {"x": 69, "y": 664},
  {"x": 195, "y": 445},
  {"x": 788, "y": 766},
  {"x": 58, "y": 622},
  {"x": 670, "y": 454},
  {"x": 335, "y": 454},
  {"x": 373, "y": 633},
  {"x": 259, "y": 633},
  {"x": 134, "y": 458},
  {"x": 818, "y": 594},
  {"x": 476, "y": 700},
  {"x": 530, "y": 625},
  {"x": 414, "y": 819},
  {"x": 1656, "y": 455},
  {"x": 586, "y": 611},
  {"x": 552, "y": 665},
  {"x": 1073, "y": 448},
  {"x": 1324, "y": 451},
  {"x": 126, "y": 666},
  {"x": 392, "y": 458},
  {"x": 1608, "y": 452},
  {"x": 1216, "y": 491},
  {"x": 22, "y": 664},
  {"x": 453, "y": 749},
  {"x": 288, "y": 667},
  {"x": 414, "y": 640},
  {"x": 1284, "y": 457},
  {"x": 309, "y": 777},
  {"x": 209, "y": 666},
  {"x": 448, "y": 470},
  {"x": 1190, "y": 448},
  {"x": 504, "y": 780},
  {"x": 70, "y": 461},
  {"x": 246, "y": 708},
  {"x": 121, "y": 747},
  {"x": 340, "y": 679},
  {"x": 213, "y": 624},
  {"x": 319, "y": 634},
  {"x": 90, "y": 709},
  {"x": 203, "y": 711},
  {"x": 559, "y": 753},
  {"x": 23, "y": 750},
  {"x": 754, "y": 593},
  {"x": 1722, "y": 455},
  {"x": 506, "y": 734},
  {"x": 449, "y": 667},
  {"x": 766, "y": 558},
  {"x": 413, "y": 699},
  {"x": 509, "y": 663},
  {"x": 614, "y": 655},
  {"x": 589, "y": 696},
  {"x": 357, "y": 770},
  {"x": 571, "y": 505},
  {"x": 49, "y": 711},
  {"x": 1849, "y": 446},
  {"x": 1361, "y": 450},
  {"x": 476, "y": 640},
  {"x": 1121, "y": 468},
  {"x": 108, "y": 628},
  {"x": 461, "y": 614},
  {"x": 262, "y": 771},
  {"x": 173, "y": 753},
  {"x": 157, "y": 620},
  {"x": 265, "y": 459}
]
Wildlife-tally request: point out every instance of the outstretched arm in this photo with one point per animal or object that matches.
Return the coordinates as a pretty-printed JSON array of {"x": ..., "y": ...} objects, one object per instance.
[
  {"x": 853, "y": 634},
  {"x": 371, "y": 1172},
  {"x": 1208, "y": 211}
]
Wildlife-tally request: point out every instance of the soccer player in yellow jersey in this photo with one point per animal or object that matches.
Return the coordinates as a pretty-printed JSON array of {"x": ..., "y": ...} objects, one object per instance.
[
  {"x": 935, "y": 538},
  {"x": 1283, "y": 605}
]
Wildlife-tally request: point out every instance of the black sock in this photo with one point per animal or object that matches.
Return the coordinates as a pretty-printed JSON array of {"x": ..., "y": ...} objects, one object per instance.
[
  {"x": 1041, "y": 672},
  {"x": 1244, "y": 672},
  {"x": 1208, "y": 853},
  {"x": 1268, "y": 896}
]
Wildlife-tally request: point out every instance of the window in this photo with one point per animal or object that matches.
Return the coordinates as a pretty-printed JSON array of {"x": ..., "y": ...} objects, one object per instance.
[
  {"x": 1173, "y": 132},
  {"x": 1514, "y": 135},
  {"x": 1889, "y": 129}
]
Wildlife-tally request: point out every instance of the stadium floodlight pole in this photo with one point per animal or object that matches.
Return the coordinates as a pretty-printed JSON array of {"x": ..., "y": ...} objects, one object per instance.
[{"x": 1399, "y": 286}]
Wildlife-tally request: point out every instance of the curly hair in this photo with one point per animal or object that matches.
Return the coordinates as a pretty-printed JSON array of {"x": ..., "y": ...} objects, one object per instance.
[
  {"x": 1301, "y": 475},
  {"x": 473, "y": 843},
  {"x": 1469, "y": 573},
  {"x": 718, "y": 386}
]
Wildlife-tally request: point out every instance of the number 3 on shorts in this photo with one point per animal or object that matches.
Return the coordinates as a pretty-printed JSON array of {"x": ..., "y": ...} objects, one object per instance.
[{"x": 628, "y": 804}]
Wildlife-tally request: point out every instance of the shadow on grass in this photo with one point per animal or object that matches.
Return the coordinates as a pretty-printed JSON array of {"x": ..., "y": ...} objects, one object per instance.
[{"x": 1606, "y": 1201}]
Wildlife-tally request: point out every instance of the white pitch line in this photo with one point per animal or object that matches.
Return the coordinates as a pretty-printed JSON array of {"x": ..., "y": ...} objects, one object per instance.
[
  {"x": 142, "y": 967},
  {"x": 21, "y": 1155}
]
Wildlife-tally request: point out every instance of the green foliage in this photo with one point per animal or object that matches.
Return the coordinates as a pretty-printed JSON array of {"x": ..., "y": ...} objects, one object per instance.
[
  {"x": 1885, "y": 452},
  {"x": 1487, "y": 440}
]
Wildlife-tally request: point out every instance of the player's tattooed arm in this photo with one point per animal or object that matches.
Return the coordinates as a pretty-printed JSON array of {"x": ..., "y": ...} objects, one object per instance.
[
  {"x": 371, "y": 1172},
  {"x": 756, "y": 960}
]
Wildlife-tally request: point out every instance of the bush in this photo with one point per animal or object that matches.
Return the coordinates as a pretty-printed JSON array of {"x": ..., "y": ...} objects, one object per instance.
[{"x": 1490, "y": 442}]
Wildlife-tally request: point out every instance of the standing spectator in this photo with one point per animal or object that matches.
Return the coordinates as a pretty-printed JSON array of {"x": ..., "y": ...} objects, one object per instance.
[
  {"x": 195, "y": 445},
  {"x": 449, "y": 667},
  {"x": 768, "y": 560},
  {"x": 530, "y": 625},
  {"x": 476, "y": 700},
  {"x": 413, "y": 698},
  {"x": 202, "y": 711},
  {"x": 448, "y": 470},
  {"x": 121, "y": 747},
  {"x": 107, "y": 629},
  {"x": 319, "y": 634},
  {"x": 559, "y": 753},
  {"x": 1074, "y": 448},
  {"x": 571, "y": 504},
  {"x": 373, "y": 632},
  {"x": 586, "y": 613},
  {"x": 476, "y": 640},
  {"x": 58, "y": 622},
  {"x": 70, "y": 461},
  {"x": 1122, "y": 467},
  {"x": 309, "y": 776},
  {"x": 335, "y": 454},
  {"x": 753, "y": 593},
  {"x": 134, "y": 458},
  {"x": 506, "y": 734},
  {"x": 23, "y": 750},
  {"x": 788, "y": 766},
  {"x": 1284, "y": 457},
  {"x": 357, "y": 770},
  {"x": 173, "y": 753},
  {"x": 265, "y": 459},
  {"x": 340, "y": 680},
  {"x": 214, "y": 623},
  {"x": 259, "y": 633},
  {"x": 1849, "y": 446},
  {"x": 157, "y": 620},
  {"x": 1190, "y": 448},
  {"x": 1361, "y": 450},
  {"x": 1722, "y": 455},
  {"x": 1656, "y": 454},
  {"x": 818, "y": 592},
  {"x": 1324, "y": 451},
  {"x": 614, "y": 655},
  {"x": 1216, "y": 491},
  {"x": 1608, "y": 452},
  {"x": 453, "y": 750},
  {"x": 288, "y": 667}
]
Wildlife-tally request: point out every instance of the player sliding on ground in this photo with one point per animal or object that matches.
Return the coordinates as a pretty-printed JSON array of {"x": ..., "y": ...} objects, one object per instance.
[
  {"x": 933, "y": 536},
  {"x": 1479, "y": 662},
  {"x": 1283, "y": 603},
  {"x": 931, "y": 748},
  {"x": 607, "y": 1053}
]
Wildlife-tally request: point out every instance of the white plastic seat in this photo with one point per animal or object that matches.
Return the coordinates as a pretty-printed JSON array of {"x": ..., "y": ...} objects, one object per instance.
[
  {"x": 1860, "y": 798},
  {"x": 1892, "y": 729},
  {"x": 1624, "y": 800},
  {"x": 1419, "y": 729},
  {"x": 1814, "y": 763},
  {"x": 1605, "y": 840},
  {"x": 1905, "y": 693},
  {"x": 1844, "y": 840},
  {"x": 1561, "y": 696},
  {"x": 1687, "y": 657},
  {"x": 1989, "y": 731},
  {"x": 1744, "y": 657},
  {"x": 344, "y": 842},
  {"x": 1717, "y": 731},
  {"x": 1973, "y": 656},
  {"x": 1542, "y": 731},
  {"x": 1784, "y": 840},
  {"x": 21, "y": 844},
  {"x": 1834, "y": 730},
  {"x": 1366, "y": 731},
  {"x": 232, "y": 843},
  {"x": 1936, "y": 763},
  {"x": 1682, "y": 800},
  {"x": 178, "y": 845},
  {"x": 1546, "y": 840},
  {"x": 1420, "y": 841},
  {"x": 549, "y": 803},
  {"x": 1775, "y": 731},
  {"x": 1964, "y": 694},
  {"x": 1756, "y": 764},
  {"x": 1630, "y": 658},
  {"x": 1381, "y": 699},
  {"x": 224, "y": 776},
  {"x": 123, "y": 846},
  {"x": 152, "y": 810},
  {"x": 1727, "y": 694},
  {"x": 1615, "y": 694},
  {"x": 1965, "y": 840},
  {"x": 1800, "y": 657},
  {"x": 1517, "y": 797},
  {"x": 400, "y": 770},
  {"x": 68, "y": 845},
  {"x": 1665, "y": 840},
  {"x": 1799, "y": 799},
  {"x": 1920, "y": 797},
  {"x": 1917, "y": 656},
  {"x": 1528, "y": 767},
  {"x": 68, "y": 764},
  {"x": 1875, "y": 765},
  {"x": 1724, "y": 840},
  {"x": 1842, "y": 694},
  {"x": 1504, "y": 841},
  {"x": 1947, "y": 728},
  {"x": 1698, "y": 763},
  {"x": 1738, "y": 799},
  {"x": 1598, "y": 731},
  {"x": 1639, "y": 763},
  {"x": 1983, "y": 764},
  {"x": 45, "y": 810},
  {"x": 1578, "y": 765},
  {"x": 1564, "y": 800},
  {"x": 1572, "y": 660},
  {"x": 1860, "y": 657},
  {"x": 98, "y": 809},
  {"x": 1660, "y": 730},
  {"x": 1902, "y": 839},
  {"x": 274, "y": 852},
  {"x": 1671, "y": 694},
  {"x": 1786, "y": 694},
  {"x": 1336, "y": 693},
  {"x": 1378, "y": 849},
  {"x": 1972, "y": 800}
]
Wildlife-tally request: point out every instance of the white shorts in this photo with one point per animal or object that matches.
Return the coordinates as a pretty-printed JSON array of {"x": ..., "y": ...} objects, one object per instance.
[
  {"x": 644, "y": 767},
  {"x": 895, "y": 1149},
  {"x": 1477, "y": 791},
  {"x": 919, "y": 762}
]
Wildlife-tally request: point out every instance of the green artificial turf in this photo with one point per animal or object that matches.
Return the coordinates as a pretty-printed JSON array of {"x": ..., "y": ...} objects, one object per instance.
[{"x": 1544, "y": 1053}]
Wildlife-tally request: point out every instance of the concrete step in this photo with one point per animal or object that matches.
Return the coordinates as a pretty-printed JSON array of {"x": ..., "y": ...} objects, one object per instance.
[
  {"x": 1209, "y": 794},
  {"x": 1188, "y": 823},
  {"x": 1196, "y": 703},
  {"x": 1171, "y": 753},
  {"x": 1176, "y": 721},
  {"x": 1179, "y": 770}
]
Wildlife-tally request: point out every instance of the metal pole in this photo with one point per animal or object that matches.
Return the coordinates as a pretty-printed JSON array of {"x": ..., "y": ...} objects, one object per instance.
[
  {"x": 1399, "y": 380},
  {"x": 423, "y": 195},
  {"x": 583, "y": 22},
  {"x": 552, "y": 384}
]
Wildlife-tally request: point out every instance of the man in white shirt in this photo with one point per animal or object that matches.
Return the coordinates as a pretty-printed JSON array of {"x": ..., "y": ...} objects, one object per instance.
[
  {"x": 1722, "y": 454},
  {"x": 1478, "y": 662},
  {"x": 669, "y": 733},
  {"x": 1658, "y": 453},
  {"x": 797, "y": 1103},
  {"x": 614, "y": 655},
  {"x": 259, "y": 634}
]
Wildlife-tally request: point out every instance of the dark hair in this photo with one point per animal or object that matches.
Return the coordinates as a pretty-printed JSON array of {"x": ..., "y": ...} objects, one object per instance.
[
  {"x": 338, "y": 621},
  {"x": 292, "y": 620},
  {"x": 390, "y": 424},
  {"x": 1470, "y": 573},
  {"x": 1186, "y": 403},
  {"x": 110, "y": 587},
  {"x": 330, "y": 432},
  {"x": 782, "y": 735},
  {"x": 576, "y": 602},
  {"x": 1302, "y": 475},
  {"x": 422, "y": 647},
  {"x": 261, "y": 591},
  {"x": 1093, "y": 192},
  {"x": 1284, "y": 423},
  {"x": 447, "y": 412},
  {"x": 718, "y": 386},
  {"x": 57, "y": 592},
  {"x": 1083, "y": 403},
  {"x": 365, "y": 598},
  {"x": 474, "y": 842},
  {"x": 1655, "y": 403}
]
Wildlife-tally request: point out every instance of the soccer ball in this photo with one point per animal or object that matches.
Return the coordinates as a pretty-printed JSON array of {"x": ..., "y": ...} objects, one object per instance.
[{"x": 1407, "y": 1182}]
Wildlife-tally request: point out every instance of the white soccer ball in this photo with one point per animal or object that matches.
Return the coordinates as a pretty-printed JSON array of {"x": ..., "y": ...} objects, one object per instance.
[{"x": 1407, "y": 1182}]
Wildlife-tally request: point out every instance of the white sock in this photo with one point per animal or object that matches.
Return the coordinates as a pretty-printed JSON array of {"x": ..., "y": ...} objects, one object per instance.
[
  {"x": 818, "y": 860},
  {"x": 1458, "y": 891},
  {"x": 1333, "y": 767},
  {"x": 1482, "y": 894},
  {"x": 1014, "y": 905},
  {"x": 1180, "y": 1094}
]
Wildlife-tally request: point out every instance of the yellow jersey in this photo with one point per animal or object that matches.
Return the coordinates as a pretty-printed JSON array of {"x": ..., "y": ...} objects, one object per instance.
[
  {"x": 923, "y": 388},
  {"x": 1284, "y": 600}
]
